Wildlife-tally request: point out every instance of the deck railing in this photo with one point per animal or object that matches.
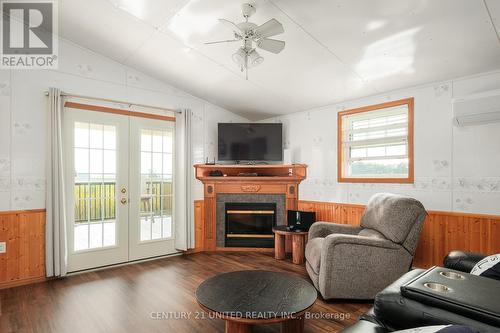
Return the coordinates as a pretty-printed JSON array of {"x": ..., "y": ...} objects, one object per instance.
[{"x": 102, "y": 202}]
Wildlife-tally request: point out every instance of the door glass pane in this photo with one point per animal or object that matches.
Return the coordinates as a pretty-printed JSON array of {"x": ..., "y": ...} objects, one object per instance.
[
  {"x": 82, "y": 161},
  {"x": 156, "y": 165},
  {"x": 167, "y": 226},
  {"x": 96, "y": 160},
  {"x": 157, "y": 141},
  {"x": 96, "y": 136},
  {"x": 156, "y": 185},
  {"x": 82, "y": 135},
  {"x": 94, "y": 186}
]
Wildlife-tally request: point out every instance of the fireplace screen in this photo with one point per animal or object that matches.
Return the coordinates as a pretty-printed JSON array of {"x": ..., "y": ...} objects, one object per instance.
[{"x": 250, "y": 224}]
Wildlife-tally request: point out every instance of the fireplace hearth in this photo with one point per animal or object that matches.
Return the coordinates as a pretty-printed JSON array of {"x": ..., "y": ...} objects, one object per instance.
[{"x": 249, "y": 224}]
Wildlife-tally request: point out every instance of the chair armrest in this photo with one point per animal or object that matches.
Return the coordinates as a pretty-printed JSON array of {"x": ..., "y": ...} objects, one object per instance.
[
  {"x": 323, "y": 229},
  {"x": 354, "y": 240},
  {"x": 462, "y": 261},
  {"x": 358, "y": 267}
]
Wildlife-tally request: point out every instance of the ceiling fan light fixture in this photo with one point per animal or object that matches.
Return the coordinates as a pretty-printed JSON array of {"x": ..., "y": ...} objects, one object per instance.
[
  {"x": 254, "y": 58},
  {"x": 239, "y": 57}
]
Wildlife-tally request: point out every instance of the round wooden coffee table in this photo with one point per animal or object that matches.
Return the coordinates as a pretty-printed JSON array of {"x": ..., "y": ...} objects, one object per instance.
[
  {"x": 298, "y": 243},
  {"x": 246, "y": 298}
]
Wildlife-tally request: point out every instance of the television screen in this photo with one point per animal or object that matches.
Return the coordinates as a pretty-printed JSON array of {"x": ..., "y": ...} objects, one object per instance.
[{"x": 250, "y": 142}]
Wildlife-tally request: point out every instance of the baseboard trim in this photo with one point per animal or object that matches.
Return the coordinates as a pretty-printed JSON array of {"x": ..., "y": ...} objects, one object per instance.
[
  {"x": 22, "y": 211},
  {"x": 132, "y": 262},
  {"x": 22, "y": 282}
]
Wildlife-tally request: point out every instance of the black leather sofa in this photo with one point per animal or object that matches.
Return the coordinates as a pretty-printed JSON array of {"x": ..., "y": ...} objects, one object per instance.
[
  {"x": 462, "y": 261},
  {"x": 392, "y": 311}
]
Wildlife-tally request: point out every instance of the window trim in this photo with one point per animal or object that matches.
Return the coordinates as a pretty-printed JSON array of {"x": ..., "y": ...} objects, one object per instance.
[{"x": 340, "y": 164}]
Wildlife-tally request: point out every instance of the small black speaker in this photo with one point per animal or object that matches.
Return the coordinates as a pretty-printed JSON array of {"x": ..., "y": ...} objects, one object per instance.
[{"x": 300, "y": 221}]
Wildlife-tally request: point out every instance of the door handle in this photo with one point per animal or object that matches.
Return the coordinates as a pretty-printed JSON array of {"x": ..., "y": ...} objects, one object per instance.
[
  {"x": 123, "y": 201},
  {"x": 123, "y": 190}
]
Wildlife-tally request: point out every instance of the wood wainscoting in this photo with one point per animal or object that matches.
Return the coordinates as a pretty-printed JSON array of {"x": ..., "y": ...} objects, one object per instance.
[
  {"x": 442, "y": 232},
  {"x": 199, "y": 226},
  {"x": 24, "y": 234}
]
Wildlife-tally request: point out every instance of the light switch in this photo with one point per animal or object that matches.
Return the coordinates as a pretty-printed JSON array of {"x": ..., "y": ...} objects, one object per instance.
[{"x": 3, "y": 247}]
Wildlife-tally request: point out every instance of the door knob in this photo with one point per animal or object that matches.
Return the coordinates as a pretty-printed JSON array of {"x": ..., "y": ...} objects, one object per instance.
[
  {"x": 123, "y": 201},
  {"x": 123, "y": 190}
]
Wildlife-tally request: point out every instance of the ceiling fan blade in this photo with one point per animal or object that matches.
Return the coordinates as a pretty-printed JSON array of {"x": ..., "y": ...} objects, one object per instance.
[
  {"x": 268, "y": 29},
  {"x": 271, "y": 45},
  {"x": 223, "y": 41},
  {"x": 231, "y": 25}
]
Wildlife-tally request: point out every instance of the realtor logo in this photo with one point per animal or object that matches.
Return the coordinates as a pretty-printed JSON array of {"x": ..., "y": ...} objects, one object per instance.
[{"x": 29, "y": 38}]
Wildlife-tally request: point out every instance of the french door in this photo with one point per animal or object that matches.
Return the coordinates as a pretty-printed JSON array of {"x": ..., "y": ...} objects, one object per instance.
[
  {"x": 119, "y": 188},
  {"x": 151, "y": 185}
]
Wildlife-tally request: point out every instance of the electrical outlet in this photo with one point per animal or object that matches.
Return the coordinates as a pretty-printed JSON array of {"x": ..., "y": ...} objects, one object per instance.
[{"x": 3, "y": 247}]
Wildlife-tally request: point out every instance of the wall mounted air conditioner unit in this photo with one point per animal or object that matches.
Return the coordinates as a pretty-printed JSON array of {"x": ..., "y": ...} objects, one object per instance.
[{"x": 477, "y": 109}]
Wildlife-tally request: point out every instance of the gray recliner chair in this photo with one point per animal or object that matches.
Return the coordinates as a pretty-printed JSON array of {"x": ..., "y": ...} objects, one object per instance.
[{"x": 356, "y": 262}]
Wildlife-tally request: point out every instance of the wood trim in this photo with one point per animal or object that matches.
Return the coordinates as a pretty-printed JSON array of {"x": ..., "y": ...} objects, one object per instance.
[
  {"x": 250, "y": 212},
  {"x": 105, "y": 109},
  {"x": 411, "y": 137},
  {"x": 248, "y": 236},
  {"x": 272, "y": 172},
  {"x": 313, "y": 202},
  {"x": 442, "y": 231},
  {"x": 249, "y": 188},
  {"x": 408, "y": 180},
  {"x": 340, "y": 155},
  {"x": 468, "y": 215},
  {"x": 249, "y": 166},
  {"x": 93, "y": 98},
  {"x": 289, "y": 233},
  {"x": 340, "y": 152},
  {"x": 199, "y": 225},
  {"x": 431, "y": 212},
  {"x": 22, "y": 282},
  {"x": 26, "y": 211},
  {"x": 244, "y": 249}
]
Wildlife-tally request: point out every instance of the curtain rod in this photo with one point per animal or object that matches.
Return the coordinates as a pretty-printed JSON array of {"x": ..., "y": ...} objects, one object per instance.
[{"x": 114, "y": 101}]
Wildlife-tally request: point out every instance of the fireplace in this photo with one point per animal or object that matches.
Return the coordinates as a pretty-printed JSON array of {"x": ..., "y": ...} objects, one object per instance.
[
  {"x": 277, "y": 184},
  {"x": 249, "y": 224}
]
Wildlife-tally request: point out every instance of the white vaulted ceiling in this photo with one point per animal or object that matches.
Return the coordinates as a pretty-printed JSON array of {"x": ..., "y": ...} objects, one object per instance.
[{"x": 335, "y": 50}]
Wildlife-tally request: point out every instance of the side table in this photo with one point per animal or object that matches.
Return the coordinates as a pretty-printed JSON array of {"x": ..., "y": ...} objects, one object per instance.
[{"x": 299, "y": 239}]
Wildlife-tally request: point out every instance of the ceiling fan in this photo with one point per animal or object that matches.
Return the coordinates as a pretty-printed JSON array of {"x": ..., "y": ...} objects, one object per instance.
[{"x": 249, "y": 33}]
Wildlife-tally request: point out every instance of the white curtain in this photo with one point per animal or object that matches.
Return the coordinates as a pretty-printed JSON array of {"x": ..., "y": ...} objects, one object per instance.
[
  {"x": 55, "y": 229},
  {"x": 183, "y": 204}
]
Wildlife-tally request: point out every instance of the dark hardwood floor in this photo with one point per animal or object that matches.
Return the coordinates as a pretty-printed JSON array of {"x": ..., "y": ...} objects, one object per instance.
[{"x": 154, "y": 296}]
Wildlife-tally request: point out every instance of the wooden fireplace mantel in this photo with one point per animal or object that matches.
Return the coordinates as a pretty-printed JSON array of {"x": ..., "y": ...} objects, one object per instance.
[{"x": 271, "y": 179}]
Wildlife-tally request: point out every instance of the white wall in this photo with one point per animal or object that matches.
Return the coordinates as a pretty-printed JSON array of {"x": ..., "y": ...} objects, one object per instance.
[
  {"x": 23, "y": 116},
  {"x": 456, "y": 169}
]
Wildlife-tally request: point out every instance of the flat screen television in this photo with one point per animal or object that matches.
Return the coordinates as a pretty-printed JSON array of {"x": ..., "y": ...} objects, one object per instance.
[{"x": 250, "y": 142}]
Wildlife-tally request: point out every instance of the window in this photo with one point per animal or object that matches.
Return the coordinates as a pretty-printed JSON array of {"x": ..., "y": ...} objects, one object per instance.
[{"x": 375, "y": 143}]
